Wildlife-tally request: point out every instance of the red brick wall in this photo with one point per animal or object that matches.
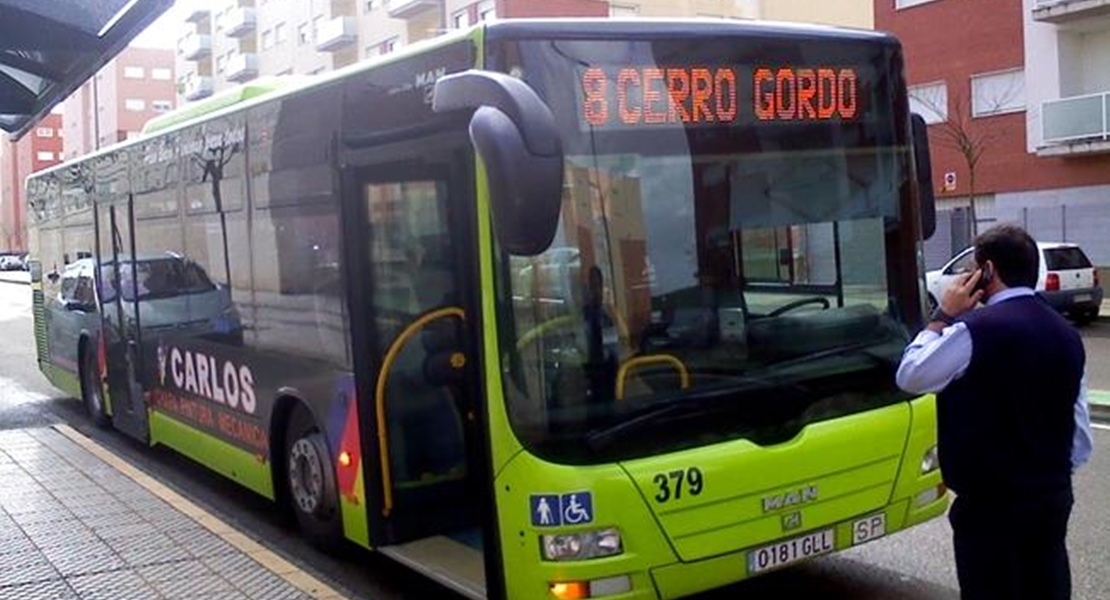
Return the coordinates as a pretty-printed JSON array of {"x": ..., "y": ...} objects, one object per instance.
[
  {"x": 552, "y": 8},
  {"x": 951, "y": 40}
]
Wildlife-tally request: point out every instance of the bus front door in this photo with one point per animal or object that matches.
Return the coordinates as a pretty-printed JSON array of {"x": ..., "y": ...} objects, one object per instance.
[
  {"x": 417, "y": 255},
  {"x": 122, "y": 320}
]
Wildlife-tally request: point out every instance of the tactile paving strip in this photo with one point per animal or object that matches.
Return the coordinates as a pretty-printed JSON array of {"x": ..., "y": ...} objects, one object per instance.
[{"x": 75, "y": 528}]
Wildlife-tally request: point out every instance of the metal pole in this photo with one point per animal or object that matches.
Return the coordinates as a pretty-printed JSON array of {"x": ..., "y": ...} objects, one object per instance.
[{"x": 96, "y": 113}]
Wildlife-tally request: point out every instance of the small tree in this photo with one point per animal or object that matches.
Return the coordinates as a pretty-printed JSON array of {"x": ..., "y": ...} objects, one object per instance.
[
  {"x": 957, "y": 133},
  {"x": 959, "y": 130}
]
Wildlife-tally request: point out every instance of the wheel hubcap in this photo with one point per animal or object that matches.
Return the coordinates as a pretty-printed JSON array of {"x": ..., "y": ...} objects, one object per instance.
[{"x": 306, "y": 476}]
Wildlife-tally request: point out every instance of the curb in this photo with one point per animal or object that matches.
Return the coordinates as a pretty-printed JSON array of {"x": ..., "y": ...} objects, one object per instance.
[
  {"x": 1099, "y": 403},
  {"x": 1100, "y": 412}
]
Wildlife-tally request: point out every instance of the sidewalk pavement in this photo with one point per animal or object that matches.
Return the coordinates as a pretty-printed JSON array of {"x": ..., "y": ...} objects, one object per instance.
[
  {"x": 78, "y": 523},
  {"x": 22, "y": 277}
]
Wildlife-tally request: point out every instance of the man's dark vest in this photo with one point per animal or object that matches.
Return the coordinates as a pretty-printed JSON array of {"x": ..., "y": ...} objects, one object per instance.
[{"x": 1008, "y": 423}]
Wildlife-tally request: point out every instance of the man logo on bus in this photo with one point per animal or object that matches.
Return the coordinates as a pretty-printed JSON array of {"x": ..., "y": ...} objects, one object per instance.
[
  {"x": 222, "y": 382},
  {"x": 791, "y": 498}
]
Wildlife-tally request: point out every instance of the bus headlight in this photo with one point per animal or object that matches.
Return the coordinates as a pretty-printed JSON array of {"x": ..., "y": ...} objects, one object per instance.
[
  {"x": 582, "y": 545},
  {"x": 931, "y": 461}
]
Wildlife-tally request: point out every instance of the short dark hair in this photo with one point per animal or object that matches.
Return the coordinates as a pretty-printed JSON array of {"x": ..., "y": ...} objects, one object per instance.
[{"x": 1012, "y": 251}]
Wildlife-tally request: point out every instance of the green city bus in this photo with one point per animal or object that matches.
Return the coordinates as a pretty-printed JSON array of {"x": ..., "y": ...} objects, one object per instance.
[{"x": 543, "y": 309}]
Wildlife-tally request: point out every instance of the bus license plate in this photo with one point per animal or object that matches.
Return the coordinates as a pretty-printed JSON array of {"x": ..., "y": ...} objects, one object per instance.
[{"x": 790, "y": 551}]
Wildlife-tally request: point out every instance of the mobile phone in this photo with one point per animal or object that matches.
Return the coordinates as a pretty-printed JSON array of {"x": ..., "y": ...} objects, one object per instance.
[{"x": 985, "y": 277}]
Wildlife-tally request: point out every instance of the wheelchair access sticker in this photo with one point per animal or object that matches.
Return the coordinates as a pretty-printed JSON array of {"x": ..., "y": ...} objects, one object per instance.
[{"x": 553, "y": 510}]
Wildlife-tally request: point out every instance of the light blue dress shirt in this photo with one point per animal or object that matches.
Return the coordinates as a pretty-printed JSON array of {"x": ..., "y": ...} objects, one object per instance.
[{"x": 934, "y": 360}]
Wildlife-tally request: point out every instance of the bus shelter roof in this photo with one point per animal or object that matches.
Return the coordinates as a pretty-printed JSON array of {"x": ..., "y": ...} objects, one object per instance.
[{"x": 48, "y": 48}]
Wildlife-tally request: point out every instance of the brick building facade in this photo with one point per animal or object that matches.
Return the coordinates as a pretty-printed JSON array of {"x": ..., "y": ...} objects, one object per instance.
[
  {"x": 40, "y": 148},
  {"x": 985, "y": 69}
]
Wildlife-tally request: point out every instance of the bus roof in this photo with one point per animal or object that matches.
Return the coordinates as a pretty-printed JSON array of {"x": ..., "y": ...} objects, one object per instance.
[
  {"x": 602, "y": 28},
  {"x": 563, "y": 28}
]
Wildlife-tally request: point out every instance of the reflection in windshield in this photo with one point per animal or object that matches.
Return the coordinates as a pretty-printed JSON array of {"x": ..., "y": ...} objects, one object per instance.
[
  {"x": 686, "y": 301},
  {"x": 156, "y": 278}
]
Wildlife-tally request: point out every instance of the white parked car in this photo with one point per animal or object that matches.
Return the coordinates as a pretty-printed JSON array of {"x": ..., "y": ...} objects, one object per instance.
[{"x": 1067, "y": 280}]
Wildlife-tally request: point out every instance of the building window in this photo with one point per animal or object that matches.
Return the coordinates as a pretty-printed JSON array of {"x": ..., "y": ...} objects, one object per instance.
[
  {"x": 930, "y": 100},
  {"x": 161, "y": 74},
  {"x": 280, "y": 34},
  {"x": 624, "y": 10},
  {"x": 389, "y": 46},
  {"x": 267, "y": 39},
  {"x": 43, "y": 155},
  {"x": 134, "y": 104},
  {"x": 460, "y": 19},
  {"x": 161, "y": 106},
  {"x": 134, "y": 72},
  {"x": 900, "y": 4},
  {"x": 302, "y": 33},
  {"x": 997, "y": 93},
  {"x": 221, "y": 64},
  {"x": 487, "y": 10},
  {"x": 44, "y": 132}
]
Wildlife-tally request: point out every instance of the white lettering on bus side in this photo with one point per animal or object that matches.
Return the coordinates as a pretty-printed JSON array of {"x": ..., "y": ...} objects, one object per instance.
[{"x": 221, "y": 382}]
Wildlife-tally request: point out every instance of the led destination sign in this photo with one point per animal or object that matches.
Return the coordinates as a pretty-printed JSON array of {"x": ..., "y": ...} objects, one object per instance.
[{"x": 704, "y": 95}]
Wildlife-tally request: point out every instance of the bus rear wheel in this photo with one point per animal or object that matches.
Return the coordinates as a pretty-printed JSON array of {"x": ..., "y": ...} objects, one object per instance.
[
  {"x": 310, "y": 477},
  {"x": 92, "y": 390}
]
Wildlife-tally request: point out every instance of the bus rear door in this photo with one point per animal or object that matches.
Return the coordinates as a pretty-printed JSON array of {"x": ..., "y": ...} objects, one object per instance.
[{"x": 120, "y": 296}]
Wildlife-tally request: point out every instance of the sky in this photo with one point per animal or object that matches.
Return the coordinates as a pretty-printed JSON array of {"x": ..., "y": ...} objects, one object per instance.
[{"x": 164, "y": 32}]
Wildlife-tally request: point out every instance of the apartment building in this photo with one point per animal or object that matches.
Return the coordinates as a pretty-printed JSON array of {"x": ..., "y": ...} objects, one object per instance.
[
  {"x": 40, "y": 148},
  {"x": 1027, "y": 83},
  {"x": 113, "y": 106},
  {"x": 230, "y": 42}
]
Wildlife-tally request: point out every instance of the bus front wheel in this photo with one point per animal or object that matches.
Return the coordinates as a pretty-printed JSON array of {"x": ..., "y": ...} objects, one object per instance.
[
  {"x": 92, "y": 390},
  {"x": 311, "y": 481}
]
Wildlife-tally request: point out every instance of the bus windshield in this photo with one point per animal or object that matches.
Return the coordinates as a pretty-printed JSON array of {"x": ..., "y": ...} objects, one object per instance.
[{"x": 709, "y": 280}]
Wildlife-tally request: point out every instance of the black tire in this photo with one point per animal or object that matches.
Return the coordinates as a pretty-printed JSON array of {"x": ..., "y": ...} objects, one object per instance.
[
  {"x": 310, "y": 479},
  {"x": 92, "y": 390}
]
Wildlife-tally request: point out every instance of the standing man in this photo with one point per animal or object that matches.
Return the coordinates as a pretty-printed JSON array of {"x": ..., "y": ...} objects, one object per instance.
[{"x": 1012, "y": 420}]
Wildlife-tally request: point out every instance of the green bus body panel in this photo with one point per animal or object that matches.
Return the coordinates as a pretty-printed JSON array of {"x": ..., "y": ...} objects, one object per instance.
[
  {"x": 853, "y": 462},
  {"x": 355, "y": 524},
  {"x": 697, "y": 543},
  {"x": 234, "y": 463},
  {"x": 61, "y": 378},
  {"x": 222, "y": 100}
]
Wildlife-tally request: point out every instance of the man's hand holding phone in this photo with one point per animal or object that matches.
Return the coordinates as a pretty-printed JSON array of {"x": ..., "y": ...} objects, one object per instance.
[{"x": 965, "y": 292}]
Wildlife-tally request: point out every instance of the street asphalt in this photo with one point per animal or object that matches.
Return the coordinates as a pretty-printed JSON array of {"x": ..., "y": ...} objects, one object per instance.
[{"x": 915, "y": 564}]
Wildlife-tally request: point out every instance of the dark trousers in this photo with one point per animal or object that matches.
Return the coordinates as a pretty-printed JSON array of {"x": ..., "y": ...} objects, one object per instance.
[{"x": 1012, "y": 546}]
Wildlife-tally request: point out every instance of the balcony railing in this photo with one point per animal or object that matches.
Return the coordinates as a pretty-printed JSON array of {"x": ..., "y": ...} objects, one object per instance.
[
  {"x": 197, "y": 88},
  {"x": 336, "y": 33},
  {"x": 196, "y": 46},
  {"x": 196, "y": 15},
  {"x": 404, "y": 9},
  {"x": 239, "y": 22},
  {"x": 1076, "y": 119},
  {"x": 1064, "y": 11},
  {"x": 242, "y": 67}
]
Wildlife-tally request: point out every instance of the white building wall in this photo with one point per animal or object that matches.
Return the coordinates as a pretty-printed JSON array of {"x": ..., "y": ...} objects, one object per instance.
[{"x": 1042, "y": 73}]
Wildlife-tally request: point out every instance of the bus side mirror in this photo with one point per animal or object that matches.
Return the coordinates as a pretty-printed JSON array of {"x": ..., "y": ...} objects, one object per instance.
[
  {"x": 515, "y": 136},
  {"x": 924, "y": 167}
]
